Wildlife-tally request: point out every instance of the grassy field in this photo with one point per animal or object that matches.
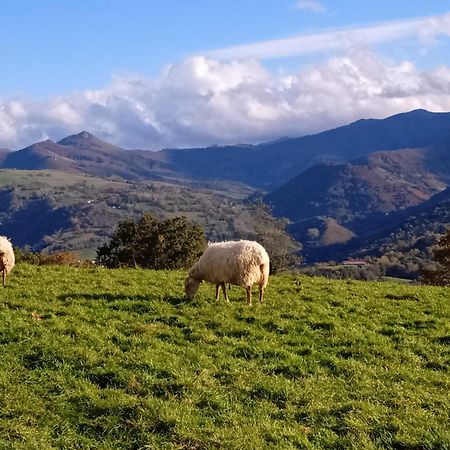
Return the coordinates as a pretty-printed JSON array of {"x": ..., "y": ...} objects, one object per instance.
[{"x": 118, "y": 359}]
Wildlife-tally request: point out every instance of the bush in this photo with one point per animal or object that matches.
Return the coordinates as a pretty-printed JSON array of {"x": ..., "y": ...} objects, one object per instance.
[
  {"x": 54, "y": 259},
  {"x": 441, "y": 276},
  {"x": 283, "y": 250},
  {"x": 26, "y": 256},
  {"x": 169, "y": 244},
  {"x": 369, "y": 272}
]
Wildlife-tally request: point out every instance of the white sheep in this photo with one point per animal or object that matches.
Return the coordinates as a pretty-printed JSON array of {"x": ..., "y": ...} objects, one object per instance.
[
  {"x": 243, "y": 263},
  {"x": 6, "y": 257}
]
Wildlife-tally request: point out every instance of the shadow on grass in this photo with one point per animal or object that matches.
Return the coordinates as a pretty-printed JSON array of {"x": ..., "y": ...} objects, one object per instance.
[
  {"x": 108, "y": 297},
  {"x": 176, "y": 300},
  {"x": 103, "y": 297}
]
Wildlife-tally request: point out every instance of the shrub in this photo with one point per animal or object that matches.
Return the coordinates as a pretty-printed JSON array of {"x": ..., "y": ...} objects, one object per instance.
[
  {"x": 168, "y": 244},
  {"x": 53, "y": 259},
  {"x": 369, "y": 272},
  {"x": 271, "y": 233},
  {"x": 441, "y": 276}
]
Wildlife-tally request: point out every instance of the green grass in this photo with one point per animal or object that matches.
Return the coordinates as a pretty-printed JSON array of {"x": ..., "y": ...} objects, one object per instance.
[{"x": 118, "y": 359}]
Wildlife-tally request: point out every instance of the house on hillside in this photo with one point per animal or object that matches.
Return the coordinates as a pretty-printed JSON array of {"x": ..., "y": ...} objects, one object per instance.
[{"x": 354, "y": 262}]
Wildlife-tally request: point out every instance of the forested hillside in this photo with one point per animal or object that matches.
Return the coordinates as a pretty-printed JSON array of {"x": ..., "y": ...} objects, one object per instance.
[{"x": 56, "y": 211}]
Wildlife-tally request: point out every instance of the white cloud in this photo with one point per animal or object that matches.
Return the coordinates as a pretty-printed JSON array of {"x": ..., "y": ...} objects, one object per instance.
[
  {"x": 202, "y": 101},
  {"x": 310, "y": 5},
  {"x": 423, "y": 29}
]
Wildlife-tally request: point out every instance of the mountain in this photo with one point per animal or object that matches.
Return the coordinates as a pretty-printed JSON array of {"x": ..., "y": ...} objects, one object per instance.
[
  {"x": 409, "y": 233},
  {"x": 83, "y": 153},
  {"x": 265, "y": 166},
  {"x": 378, "y": 183},
  {"x": 272, "y": 164},
  {"x": 336, "y": 209}
]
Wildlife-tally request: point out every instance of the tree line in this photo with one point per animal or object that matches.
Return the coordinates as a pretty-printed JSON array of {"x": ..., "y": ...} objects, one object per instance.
[{"x": 176, "y": 243}]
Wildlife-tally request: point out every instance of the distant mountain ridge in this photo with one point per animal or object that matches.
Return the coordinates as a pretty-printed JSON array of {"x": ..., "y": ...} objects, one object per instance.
[
  {"x": 82, "y": 153},
  {"x": 264, "y": 166},
  {"x": 269, "y": 165}
]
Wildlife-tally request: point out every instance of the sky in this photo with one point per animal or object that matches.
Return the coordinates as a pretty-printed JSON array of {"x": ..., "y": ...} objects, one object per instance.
[{"x": 154, "y": 74}]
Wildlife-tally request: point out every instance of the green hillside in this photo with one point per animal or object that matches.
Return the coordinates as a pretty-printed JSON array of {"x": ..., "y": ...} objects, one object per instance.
[
  {"x": 57, "y": 211},
  {"x": 118, "y": 359}
]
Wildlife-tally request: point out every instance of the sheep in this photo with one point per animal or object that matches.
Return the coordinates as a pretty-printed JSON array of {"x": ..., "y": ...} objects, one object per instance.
[
  {"x": 6, "y": 257},
  {"x": 242, "y": 263}
]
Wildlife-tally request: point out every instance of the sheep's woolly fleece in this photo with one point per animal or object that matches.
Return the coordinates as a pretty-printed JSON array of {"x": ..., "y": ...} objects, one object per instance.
[
  {"x": 7, "y": 259},
  {"x": 235, "y": 262}
]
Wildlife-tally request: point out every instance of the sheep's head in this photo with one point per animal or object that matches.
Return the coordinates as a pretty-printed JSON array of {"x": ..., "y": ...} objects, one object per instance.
[{"x": 191, "y": 286}]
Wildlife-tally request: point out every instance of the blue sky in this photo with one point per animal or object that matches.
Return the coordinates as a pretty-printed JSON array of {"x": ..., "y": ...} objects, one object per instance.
[{"x": 152, "y": 74}]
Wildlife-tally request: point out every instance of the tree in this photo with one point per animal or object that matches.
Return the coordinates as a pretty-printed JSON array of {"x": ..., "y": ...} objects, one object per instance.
[
  {"x": 282, "y": 249},
  {"x": 313, "y": 233},
  {"x": 169, "y": 244},
  {"x": 441, "y": 276},
  {"x": 179, "y": 243},
  {"x": 270, "y": 232},
  {"x": 122, "y": 249}
]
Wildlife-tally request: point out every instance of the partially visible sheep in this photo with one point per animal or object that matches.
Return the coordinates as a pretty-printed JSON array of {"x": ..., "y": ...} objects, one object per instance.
[
  {"x": 243, "y": 263},
  {"x": 6, "y": 257}
]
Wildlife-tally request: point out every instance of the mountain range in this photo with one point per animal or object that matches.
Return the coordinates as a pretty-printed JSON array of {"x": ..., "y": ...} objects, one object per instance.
[
  {"x": 264, "y": 166},
  {"x": 271, "y": 165},
  {"x": 335, "y": 185}
]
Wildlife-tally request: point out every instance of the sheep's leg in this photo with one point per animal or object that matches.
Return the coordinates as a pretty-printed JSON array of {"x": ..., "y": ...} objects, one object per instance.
[
  {"x": 249, "y": 295},
  {"x": 217, "y": 292},
  {"x": 4, "y": 277},
  {"x": 261, "y": 293},
  {"x": 224, "y": 287}
]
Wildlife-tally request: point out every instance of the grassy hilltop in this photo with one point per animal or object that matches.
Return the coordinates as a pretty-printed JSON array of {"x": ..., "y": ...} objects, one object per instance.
[{"x": 117, "y": 359}]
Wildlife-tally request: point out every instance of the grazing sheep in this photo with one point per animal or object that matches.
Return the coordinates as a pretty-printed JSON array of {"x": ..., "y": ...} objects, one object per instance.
[
  {"x": 6, "y": 257},
  {"x": 242, "y": 263}
]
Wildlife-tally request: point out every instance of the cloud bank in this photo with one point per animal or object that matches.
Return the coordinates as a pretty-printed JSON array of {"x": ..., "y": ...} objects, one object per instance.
[{"x": 203, "y": 101}]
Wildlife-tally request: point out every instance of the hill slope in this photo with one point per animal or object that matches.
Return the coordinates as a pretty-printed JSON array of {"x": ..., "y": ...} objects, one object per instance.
[
  {"x": 55, "y": 211},
  {"x": 378, "y": 183},
  {"x": 409, "y": 233}
]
